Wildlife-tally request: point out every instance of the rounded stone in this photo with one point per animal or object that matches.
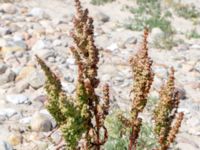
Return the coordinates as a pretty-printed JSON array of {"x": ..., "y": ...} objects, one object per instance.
[
  {"x": 41, "y": 123},
  {"x": 8, "y": 8},
  {"x": 3, "y": 68},
  {"x": 7, "y": 76},
  {"x": 17, "y": 98},
  {"x": 38, "y": 12},
  {"x": 5, "y": 146},
  {"x": 156, "y": 35},
  {"x": 37, "y": 80},
  {"x": 101, "y": 17}
]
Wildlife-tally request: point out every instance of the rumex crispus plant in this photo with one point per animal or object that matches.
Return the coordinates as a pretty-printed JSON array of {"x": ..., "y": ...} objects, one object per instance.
[
  {"x": 81, "y": 119},
  {"x": 165, "y": 113},
  {"x": 143, "y": 77}
]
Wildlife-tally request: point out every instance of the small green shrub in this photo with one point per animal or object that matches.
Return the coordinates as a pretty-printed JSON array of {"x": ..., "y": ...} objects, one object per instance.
[
  {"x": 149, "y": 14},
  {"x": 167, "y": 42},
  {"x": 118, "y": 134},
  {"x": 101, "y": 2},
  {"x": 118, "y": 140},
  {"x": 193, "y": 34},
  {"x": 147, "y": 139},
  {"x": 187, "y": 11}
]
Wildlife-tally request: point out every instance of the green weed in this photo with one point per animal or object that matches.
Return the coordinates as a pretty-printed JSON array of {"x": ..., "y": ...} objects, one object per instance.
[
  {"x": 118, "y": 134},
  {"x": 187, "y": 11},
  {"x": 193, "y": 34},
  {"x": 101, "y": 2},
  {"x": 149, "y": 14}
]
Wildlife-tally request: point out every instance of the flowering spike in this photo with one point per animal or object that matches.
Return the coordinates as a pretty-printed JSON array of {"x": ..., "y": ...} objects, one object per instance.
[
  {"x": 165, "y": 113},
  {"x": 53, "y": 88},
  {"x": 172, "y": 134},
  {"x": 106, "y": 98},
  {"x": 143, "y": 77}
]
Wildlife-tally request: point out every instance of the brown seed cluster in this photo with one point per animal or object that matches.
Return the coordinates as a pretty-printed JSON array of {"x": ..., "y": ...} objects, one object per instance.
[
  {"x": 165, "y": 114},
  {"x": 86, "y": 55},
  {"x": 80, "y": 118},
  {"x": 143, "y": 78}
]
